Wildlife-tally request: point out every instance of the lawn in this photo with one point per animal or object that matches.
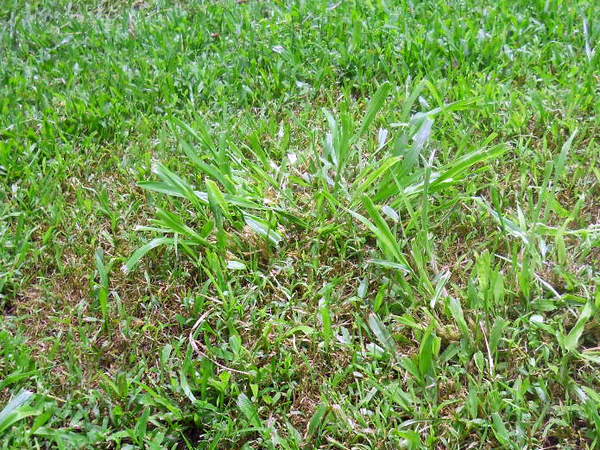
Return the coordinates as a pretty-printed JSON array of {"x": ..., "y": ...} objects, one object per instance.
[{"x": 299, "y": 224}]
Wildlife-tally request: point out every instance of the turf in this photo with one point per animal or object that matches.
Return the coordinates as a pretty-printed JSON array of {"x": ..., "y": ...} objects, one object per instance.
[{"x": 304, "y": 224}]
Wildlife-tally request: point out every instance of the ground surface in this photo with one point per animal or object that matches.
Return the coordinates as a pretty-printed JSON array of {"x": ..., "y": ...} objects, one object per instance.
[{"x": 377, "y": 224}]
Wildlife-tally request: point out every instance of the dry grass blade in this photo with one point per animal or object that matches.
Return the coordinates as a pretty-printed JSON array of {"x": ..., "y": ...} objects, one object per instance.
[{"x": 200, "y": 353}]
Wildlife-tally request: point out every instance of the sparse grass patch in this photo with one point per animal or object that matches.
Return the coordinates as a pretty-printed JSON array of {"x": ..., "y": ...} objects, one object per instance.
[{"x": 299, "y": 224}]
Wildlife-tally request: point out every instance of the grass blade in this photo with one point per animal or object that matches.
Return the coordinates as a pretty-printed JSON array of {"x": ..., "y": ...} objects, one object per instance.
[
  {"x": 571, "y": 341},
  {"x": 135, "y": 258},
  {"x": 385, "y": 238},
  {"x": 103, "y": 288},
  {"x": 263, "y": 229},
  {"x": 249, "y": 410},
  {"x": 15, "y": 410},
  {"x": 382, "y": 334},
  {"x": 458, "y": 316},
  {"x": 374, "y": 107}
]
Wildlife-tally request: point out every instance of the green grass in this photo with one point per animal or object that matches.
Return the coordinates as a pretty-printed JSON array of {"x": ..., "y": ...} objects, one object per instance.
[{"x": 306, "y": 224}]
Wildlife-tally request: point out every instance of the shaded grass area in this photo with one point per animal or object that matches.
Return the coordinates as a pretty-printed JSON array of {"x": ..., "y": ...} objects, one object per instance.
[{"x": 385, "y": 214}]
